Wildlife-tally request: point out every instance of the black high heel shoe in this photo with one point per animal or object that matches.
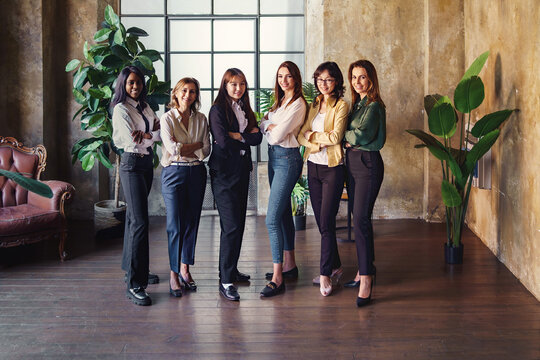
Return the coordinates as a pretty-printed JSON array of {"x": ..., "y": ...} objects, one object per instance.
[
  {"x": 360, "y": 301},
  {"x": 188, "y": 285}
]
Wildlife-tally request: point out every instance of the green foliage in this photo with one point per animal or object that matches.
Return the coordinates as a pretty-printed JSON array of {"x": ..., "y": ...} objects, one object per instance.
[
  {"x": 93, "y": 84},
  {"x": 458, "y": 163},
  {"x": 28, "y": 183},
  {"x": 299, "y": 196}
]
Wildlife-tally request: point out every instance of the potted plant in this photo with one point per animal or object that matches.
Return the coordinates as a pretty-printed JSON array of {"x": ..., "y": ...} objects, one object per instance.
[
  {"x": 300, "y": 192},
  {"x": 93, "y": 85},
  {"x": 299, "y": 197},
  {"x": 457, "y": 161}
]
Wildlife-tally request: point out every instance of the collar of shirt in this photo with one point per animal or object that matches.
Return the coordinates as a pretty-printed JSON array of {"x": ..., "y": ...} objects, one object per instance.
[
  {"x": 178, "y": 117},
  {"x": 240, "y": 116},
  {"x": 360, "y": 103}
]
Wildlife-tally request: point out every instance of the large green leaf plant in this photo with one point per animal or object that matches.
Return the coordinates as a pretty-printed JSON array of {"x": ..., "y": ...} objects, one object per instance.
[
  {"x": 447, "y": 123},
  {"x": 94, "y": 80}
]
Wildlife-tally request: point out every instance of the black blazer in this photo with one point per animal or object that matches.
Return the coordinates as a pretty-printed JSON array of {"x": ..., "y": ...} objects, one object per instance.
[{"x": 225, "y": 155}]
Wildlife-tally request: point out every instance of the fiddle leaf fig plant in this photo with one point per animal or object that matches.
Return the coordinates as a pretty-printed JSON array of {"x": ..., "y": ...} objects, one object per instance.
[
  {"x": 94, "y": 78},
  {"x": 457, "y": 161}
]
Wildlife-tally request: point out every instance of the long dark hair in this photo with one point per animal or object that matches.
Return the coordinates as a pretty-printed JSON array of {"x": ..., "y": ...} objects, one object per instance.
[
  {"x": 333, "y": 71},
  {"x": 373, "y": 93},
  {"x": 297, "y": 77},
  {"x": 179, "y": 85},
  {"x": 120, "y": 94},
  {"x": 224, "y": 101}
]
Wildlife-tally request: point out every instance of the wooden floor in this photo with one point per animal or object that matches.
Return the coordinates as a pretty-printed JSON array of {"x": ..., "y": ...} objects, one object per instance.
[{"x": 423, "y": 309}]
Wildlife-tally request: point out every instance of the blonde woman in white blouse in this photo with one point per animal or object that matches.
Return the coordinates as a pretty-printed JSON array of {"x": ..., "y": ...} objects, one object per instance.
[
  {"x": 281, "y": 127},
  {"x": 186, "y": 142}
]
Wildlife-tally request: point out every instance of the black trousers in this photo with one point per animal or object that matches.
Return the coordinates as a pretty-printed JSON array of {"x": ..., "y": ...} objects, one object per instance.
[
  {"x": 365, "y": 175},
  {"x": 325, "y": 189},
  {"x": 136, "y": 174},
  {"x": 231, "y": 194}
]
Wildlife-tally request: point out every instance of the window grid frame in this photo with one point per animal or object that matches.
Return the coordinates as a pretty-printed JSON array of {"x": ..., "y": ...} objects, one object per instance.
[{"x": 166, "y": 53}]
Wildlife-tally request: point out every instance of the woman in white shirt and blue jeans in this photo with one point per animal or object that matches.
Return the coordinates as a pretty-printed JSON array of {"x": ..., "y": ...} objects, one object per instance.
[
  {"x": 281, "y": 126},
  {"x": 186, "y": 143}
]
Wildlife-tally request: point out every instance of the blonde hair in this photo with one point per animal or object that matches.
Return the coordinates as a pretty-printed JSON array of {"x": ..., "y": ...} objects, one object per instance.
[{"x": 179, "y": 85}]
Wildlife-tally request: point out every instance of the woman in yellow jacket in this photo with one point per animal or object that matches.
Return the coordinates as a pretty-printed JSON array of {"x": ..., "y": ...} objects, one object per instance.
[{"x": 322, "y": 134}]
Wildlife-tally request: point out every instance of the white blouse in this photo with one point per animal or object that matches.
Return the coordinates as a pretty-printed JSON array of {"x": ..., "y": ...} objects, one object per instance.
[
  {"x": 320, "y": 157},
  {"x": 288, "y": 118},
  {"x": 171, "y": 126},
  {"x": 126, "y": 118}
]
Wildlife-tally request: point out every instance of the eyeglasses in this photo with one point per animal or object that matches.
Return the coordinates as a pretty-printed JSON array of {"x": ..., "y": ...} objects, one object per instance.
[{"x": 325, "y": 81}]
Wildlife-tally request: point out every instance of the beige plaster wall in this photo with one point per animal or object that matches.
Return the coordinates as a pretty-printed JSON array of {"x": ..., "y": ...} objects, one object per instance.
[
  {"x": 407, "y": 42},
  {"x": 507, "y": 217}
]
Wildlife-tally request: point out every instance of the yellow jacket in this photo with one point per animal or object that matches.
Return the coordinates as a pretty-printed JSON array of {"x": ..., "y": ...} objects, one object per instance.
[{"x": 335, "y": 124}]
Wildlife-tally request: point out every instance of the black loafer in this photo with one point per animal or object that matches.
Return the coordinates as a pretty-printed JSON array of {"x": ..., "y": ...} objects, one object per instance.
[
  {"x": 229, "y": 293},
  {"x": 152, "y": 278},
  {"x": 175, "y": 293},
  {"x": 139, "y": 296},
  {"x": 291, "y": 274},
  {"x": 271, "y": 289},
  {"x": 242, "y": 277},
  {"x": 187, "y": 285},
  {"x": 352, "y": 284}
]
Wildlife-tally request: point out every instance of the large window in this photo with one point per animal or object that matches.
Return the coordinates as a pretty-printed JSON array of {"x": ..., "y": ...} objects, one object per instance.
[{"x": 202, "y": 38}]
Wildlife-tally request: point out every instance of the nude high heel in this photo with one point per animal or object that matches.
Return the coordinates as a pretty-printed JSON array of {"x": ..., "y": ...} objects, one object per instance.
[{"x": 326, "y": 291}]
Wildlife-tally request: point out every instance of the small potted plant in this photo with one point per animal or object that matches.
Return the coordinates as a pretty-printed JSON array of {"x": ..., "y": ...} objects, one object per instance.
[{"x": 299, "y": 197}]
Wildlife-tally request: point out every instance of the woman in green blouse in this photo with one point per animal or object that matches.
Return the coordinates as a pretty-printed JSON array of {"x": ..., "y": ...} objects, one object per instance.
[{"x": 365, "y": 136}]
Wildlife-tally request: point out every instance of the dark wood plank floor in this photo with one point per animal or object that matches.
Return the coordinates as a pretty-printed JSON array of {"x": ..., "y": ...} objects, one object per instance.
[{"x": 423, "y": 309}]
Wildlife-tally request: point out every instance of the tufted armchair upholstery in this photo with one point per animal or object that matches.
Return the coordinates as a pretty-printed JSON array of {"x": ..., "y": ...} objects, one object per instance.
[{"x": 26, "y": 217}]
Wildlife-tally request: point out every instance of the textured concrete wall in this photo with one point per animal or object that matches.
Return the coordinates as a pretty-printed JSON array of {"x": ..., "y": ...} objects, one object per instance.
[
  {"x": 391, "y": 35},
  {"x": 507, "y": 217},
  {"x": 21, "y": 71}
]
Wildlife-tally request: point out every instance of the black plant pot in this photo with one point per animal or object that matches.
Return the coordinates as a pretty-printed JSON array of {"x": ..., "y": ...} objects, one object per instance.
[
  {"x": 453, "y": 255},
  {"x": 299, "y": 222}
]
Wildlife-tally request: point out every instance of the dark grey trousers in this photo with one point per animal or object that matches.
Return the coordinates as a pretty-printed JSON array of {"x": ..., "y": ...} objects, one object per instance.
[{"x": 136, "y": 174}]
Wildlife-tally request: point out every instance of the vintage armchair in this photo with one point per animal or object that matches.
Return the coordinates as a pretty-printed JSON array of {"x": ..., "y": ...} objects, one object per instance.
[{"x": 26, "y": 217}]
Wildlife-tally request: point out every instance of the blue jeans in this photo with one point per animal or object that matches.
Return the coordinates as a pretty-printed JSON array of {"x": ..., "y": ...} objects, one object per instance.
[
  {"x": 284, "y": 169},
  {"x": 183, "y": 188}
]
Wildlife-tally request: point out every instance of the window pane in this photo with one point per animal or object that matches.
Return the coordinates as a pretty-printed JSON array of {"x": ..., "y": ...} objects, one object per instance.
[
  {"x": 141, "y": 7},
  {"x": 235, "y": 7},
  {"x": 154, "y": 26},
  {"x": 282, "y": 33},
  {"x": 190, "y": 35},
  {"x": 234, "y": 35},
  {"x": 183, "y": 7},
  {"x": 269, "y": 65},
  {"x": 159, "y": 66},
  {"x": 206, "y": 102},
  {"x": 282, "y": 6},
  {"x": 244, "y": 62},
  {"x": 196, "y": 65}
]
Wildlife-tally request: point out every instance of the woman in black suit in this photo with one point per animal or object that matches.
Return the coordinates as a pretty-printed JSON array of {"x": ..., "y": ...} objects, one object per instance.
[{"x": 234, "y": 129}]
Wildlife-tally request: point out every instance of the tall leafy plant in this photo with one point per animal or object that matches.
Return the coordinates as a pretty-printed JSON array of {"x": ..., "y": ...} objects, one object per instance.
[
  {"x": 94, "y": 80},
  {"x": 449, "y": 122}
]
